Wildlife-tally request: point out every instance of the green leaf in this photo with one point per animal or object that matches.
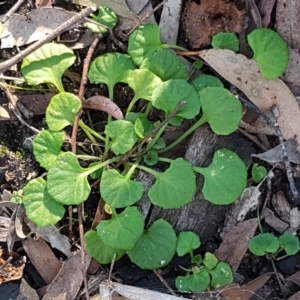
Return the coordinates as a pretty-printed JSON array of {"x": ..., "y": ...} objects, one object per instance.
[
  {"x": 122, "y": 134},
  {"x": 175, "y": 187},
  {"x": 122, "y": 231},
  {"x": 47, "y": 65},
  {"x": 96, "y": 174},
  {"x": 67, "y": 181},
  {"x": 186, "y": 242},
  {"x": 210, "y": 261},
  {"x": 196, "y": 282},
  {"x": 258, "y": 172},
  {"x": 160, "y": 144},
  {"x": 197, "y": 64},
  {"x": 17, "y": 196},
  {"x": 143, "y": 126},
  {"x": 47, "y": 146},
  {"x": 118, "y": 190},
  {"x": 263, "y": 244},
  {"x": 105, "y": 17},
  {"x": 166, "y": 65},
  {"x": 270, "y": 52},
  {"x": 143, "y": 42},
  {"x": 221, "y": 275},
  {"x": 40, "y": 207},
  {"x": 197, "y": 260},
  {"x": 220, "y": 109},
  {"x": 289, "y": 243},
  {"x": 226, "y": 40},
  {"x": 62, "y": 110},
  {"x": 156, "y": 247},
  {"x": 203, "y": 81},
  {"x": 168, "y": 95},
  {"x": 98, "y": 250},
  {"x": 143, "y": 82},
  {"x": 110, "y": 69},
  {"x": 225, "y": 179},
  {"x": 151, "y": 158}
]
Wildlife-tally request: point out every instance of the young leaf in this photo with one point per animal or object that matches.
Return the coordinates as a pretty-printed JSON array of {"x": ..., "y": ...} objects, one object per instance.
[
  {"x": 40, "y": 207},
  {"x": 143, "y": 82},
  {"x": 62, "y": 110},
  {"x": 151, "y": 158},
  {"x": 270, "y": 52},
  {"x": 142, "y": 126},
  {"x": 110, "y": 69},
  {"x": 197, "y": 64},
  {"x": 263, "y": 244},
  {"x": 204, "y": 81},
  {"x": 186, "y": 242},
  {"x": 226, "y": 40},
  {"x": 143, "y": 42},
  {"x": 220, "y": 109},
  {"x": 156, "y": 247},
  {"x": 289, "y": 243},
  {"x": 167, "y": 96},
  {"x": 122, "y": 231},
  {"x": 166, "y": 65},
  {"x": 258, "y": 172},
  {"x": 197, "y": 260},
  {"x": 225, "y": 179},
  {"x": 210, "y": 261},
  {"x": 67, "y": 180},
  {"x": 160, "y": 144},
  {"x": 105, "y": 17},
  {"x": 47, "y": 146},
  {"x": 196, "y": 282},
  {"x": 122, "y": 135},
  {"x": 47, "y": 65},
  {"x": 175, "y": 187},
  {"x": 98, "y": 250},
  {"x": 118, "y": 190},
  {"x": 221, "y": 275}
]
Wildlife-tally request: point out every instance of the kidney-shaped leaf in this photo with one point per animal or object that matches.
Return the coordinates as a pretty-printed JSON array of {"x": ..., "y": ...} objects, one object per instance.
[
  {"x": 225, "y": 179},
  {"x": 168, "y": 95},
  {"x": 118, "y": 190},
  {"x": 225, "y": 40},
  {"x": 98, "y": 250},
  {"x": 122, "y": 231},
  {"x": 203, "y": 81},
  {"x": 47, "y": 65},
  {"x": 143, "y": 42},
  {"x": 289, "y": 243},
  {"x": 122, "y": 135},
  {"x": 187, "y": 241},
  {"x": 110, "y": 69},
  {"x": 220, "y": 109},
  {"x": 47, "y": 146},
  {"x": 156, "y": 247},
  {"x": 67, "y": 180},
  {"x": 175, "y": 187},
  {"x": 196, "y": 282},
  {"x": 62, "y": 110},
  {"x": 263, "y": 244},
  {"x": 221, "y": 275},
  {"x": 270, "y": 52},
  {"x": 40, "y": 207},
  {"x": 166, "y": 65}
]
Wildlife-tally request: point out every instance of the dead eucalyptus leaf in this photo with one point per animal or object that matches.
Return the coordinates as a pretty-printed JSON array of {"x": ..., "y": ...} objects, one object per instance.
[
  {"x": 103, "y": 104},
  {"x": 22, "y": 30},
  {"x": 246, "y": 76},
  {"x": 275, "y": 155},
  {"x": 265, "y": 8}
]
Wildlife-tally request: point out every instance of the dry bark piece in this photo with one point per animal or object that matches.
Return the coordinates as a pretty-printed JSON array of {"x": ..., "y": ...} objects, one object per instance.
[
  {"x": 235, "y": 243},
  {"x": 201, "y": 22},
  {"x": 281, "y": 206},
  {"x": 273, "y": 221},
  {"x": 42, "y": 258},
  {"x": 246, "y": 76},
  {"x": 288, "y": 20}
]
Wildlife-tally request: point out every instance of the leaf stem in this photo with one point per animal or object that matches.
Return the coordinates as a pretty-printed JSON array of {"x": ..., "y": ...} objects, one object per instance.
[
  {"x": 88, "y": 157},
  {"x": 171, "y": 46},
  {"x": 89, "y": 130},
  {"x": 148, "y": 170},
  {"x": 132, "y": 102},
  {"x": 101, "y": 165},
  {"x": 156, "y": 137},
  {"x": 200, "y": 122}
]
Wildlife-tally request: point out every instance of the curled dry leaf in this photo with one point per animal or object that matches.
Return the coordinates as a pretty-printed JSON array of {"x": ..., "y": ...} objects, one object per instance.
[
  {"x": 103, "y": 104},
  {"x": 246, "y": 76},
  {"x": 202, "y": 21}
]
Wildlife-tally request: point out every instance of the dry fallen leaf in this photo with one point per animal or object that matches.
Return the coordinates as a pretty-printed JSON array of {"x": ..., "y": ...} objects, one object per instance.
[
  {"x": 265, "y": 8},
  {"x": 13, "y": 270},
  {"x": 246, "y": 76},
  {"x": 292, "y": 73}
]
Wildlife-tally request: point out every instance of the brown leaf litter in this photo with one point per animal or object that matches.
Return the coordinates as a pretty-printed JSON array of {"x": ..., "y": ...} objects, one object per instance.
[{"x": 201, "y": 22}]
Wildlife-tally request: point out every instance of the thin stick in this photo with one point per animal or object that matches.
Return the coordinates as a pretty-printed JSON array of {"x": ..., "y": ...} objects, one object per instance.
[
  {"x": 60, "y": 29},
  {"x": 164, "y": 283},
  {"x": 11, "y": 11},
  {"x": 2, "y": 267}
]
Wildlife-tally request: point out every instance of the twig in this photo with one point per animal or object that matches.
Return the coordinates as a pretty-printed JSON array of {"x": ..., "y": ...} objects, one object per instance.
[
  {"x": 289, "y": 174},
  {"x": 164, "y": 282},
  {"x": 62, "y": 28},
  {"x": 146, "y": 16},
  {"x": 2, "y": 267},
  {"x": 14, "y": 108},
  {"x": 11, "y": 11}
]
